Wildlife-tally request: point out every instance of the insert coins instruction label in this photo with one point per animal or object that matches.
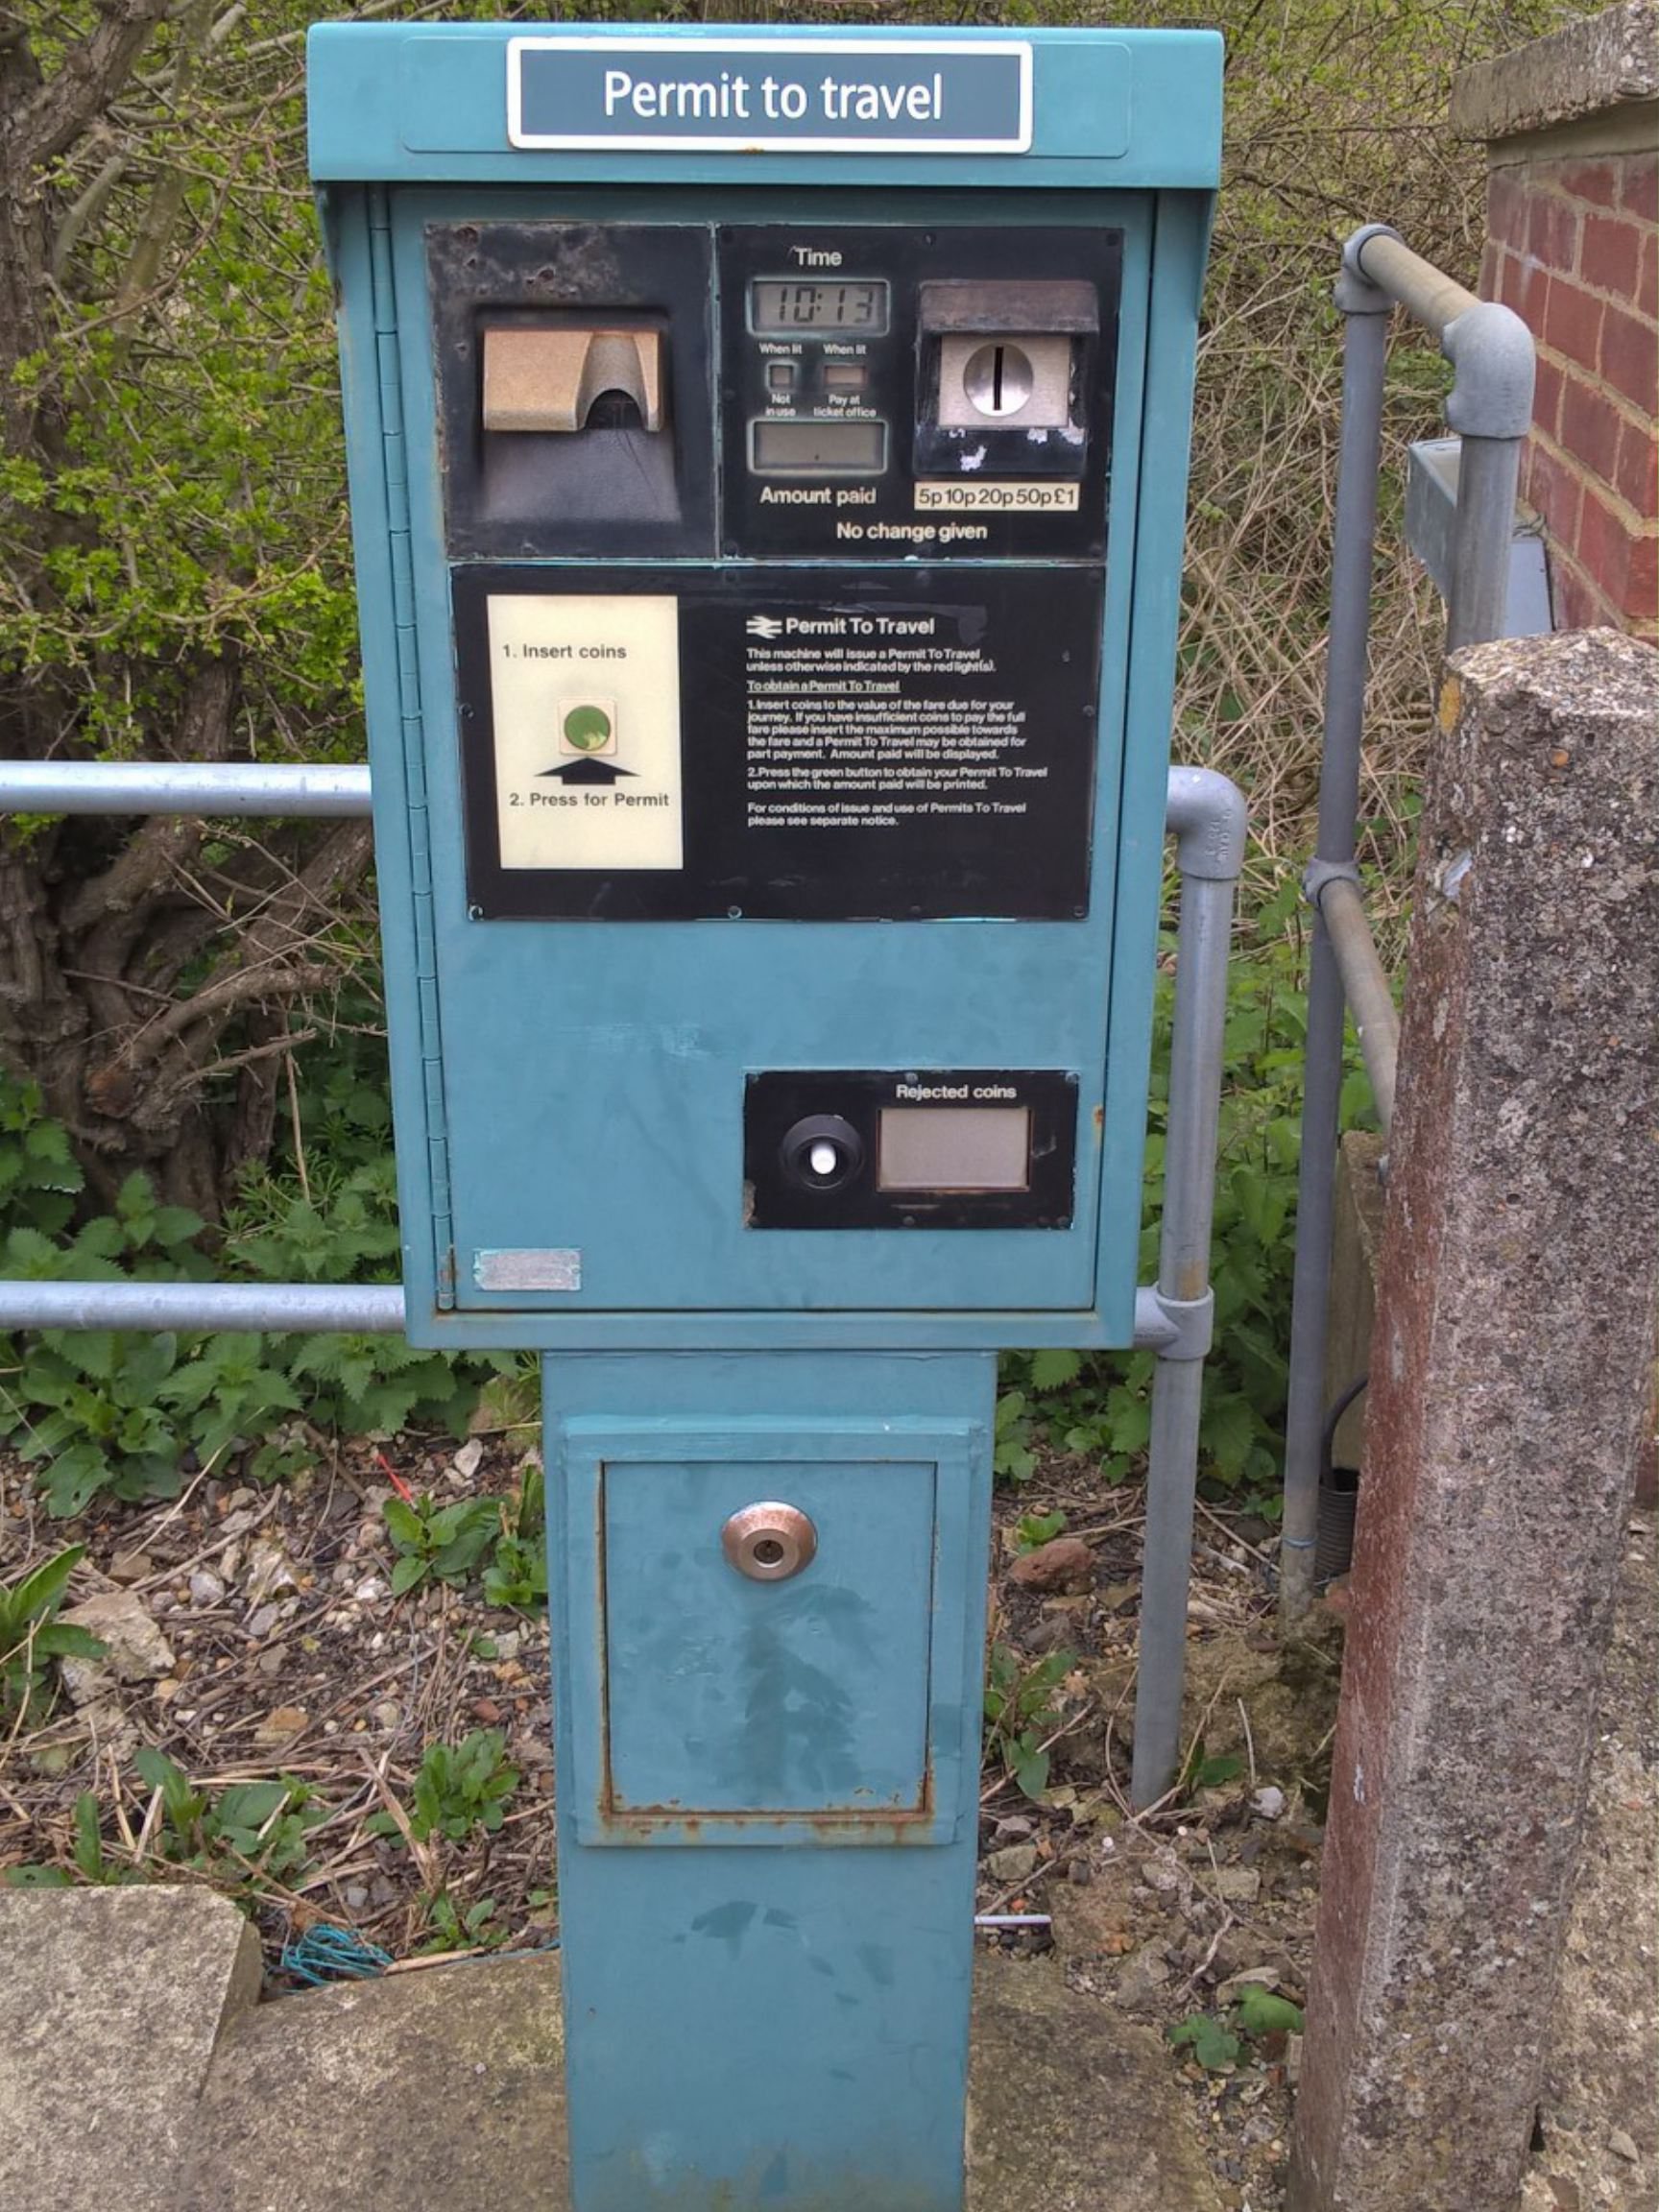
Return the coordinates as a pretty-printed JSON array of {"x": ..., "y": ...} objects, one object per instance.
[{"x": 585, "y": 695}]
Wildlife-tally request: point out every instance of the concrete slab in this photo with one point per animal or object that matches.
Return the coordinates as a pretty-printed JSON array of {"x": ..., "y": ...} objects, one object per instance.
[
  {"x": 445, "y": 2087},
  {"x": 111, "y": 2002}
]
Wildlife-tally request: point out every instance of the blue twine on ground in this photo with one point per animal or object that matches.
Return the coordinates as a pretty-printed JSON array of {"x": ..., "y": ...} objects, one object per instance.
[{"x": 325, "y": 1953}]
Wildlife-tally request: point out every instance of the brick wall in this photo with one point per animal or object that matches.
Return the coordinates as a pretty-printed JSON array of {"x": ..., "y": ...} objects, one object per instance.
[
  {"x": 1573, "y": 246},
  {"x": 1570, "y": 126}
]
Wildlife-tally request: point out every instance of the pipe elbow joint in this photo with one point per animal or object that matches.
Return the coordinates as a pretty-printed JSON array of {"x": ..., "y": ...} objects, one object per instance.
[
  {"x": 1494, "y": 360},
  {"x": 1356, "y": 293},
  {"x": 1206, "y": 815}
]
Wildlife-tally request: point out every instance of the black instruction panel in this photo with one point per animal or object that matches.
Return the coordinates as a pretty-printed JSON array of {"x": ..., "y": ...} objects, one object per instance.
[{"x": 797, "y": 743}]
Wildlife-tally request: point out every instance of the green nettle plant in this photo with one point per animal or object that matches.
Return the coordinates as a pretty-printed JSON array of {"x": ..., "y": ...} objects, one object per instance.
[{"x": 96, "y": 1413}]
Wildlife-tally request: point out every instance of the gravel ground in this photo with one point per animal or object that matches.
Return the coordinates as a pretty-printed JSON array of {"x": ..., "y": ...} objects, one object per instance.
[{"x": 265, "y": 1642}]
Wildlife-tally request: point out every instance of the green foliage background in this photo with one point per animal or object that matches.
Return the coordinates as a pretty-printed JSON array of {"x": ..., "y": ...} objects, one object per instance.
[{"x": 173, "y": 501}]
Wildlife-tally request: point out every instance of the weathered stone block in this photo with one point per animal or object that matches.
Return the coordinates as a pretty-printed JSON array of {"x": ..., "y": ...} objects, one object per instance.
[
  {"x": 1510, "y": 1375},
  {"x": 111, "y": 2002}
]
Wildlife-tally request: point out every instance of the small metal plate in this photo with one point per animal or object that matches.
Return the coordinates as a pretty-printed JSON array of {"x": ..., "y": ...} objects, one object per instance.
[{"x": 531, "y": 1267}]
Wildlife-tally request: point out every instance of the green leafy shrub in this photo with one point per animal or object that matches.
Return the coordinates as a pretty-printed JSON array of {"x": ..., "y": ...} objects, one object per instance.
[
  {"x": 438, "y": 1543},
  {"x": 99, "y": 1413},
  {"x": 40, "y": 1175},
  {"x": 31, "y": 1635},
  {"x": 1021, "y": 1713},
  {"x": 457, "y": 1788},
  {"x": 249, "y": 1830}
]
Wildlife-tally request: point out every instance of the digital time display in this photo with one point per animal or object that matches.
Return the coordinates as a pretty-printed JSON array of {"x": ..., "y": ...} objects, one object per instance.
[{"x": 781, "y": 305}]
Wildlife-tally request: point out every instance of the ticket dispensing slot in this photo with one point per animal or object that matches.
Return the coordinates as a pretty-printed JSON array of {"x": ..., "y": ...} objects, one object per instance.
[
  {"x": 1006, "y": 377},
  {"x": 570, "y": 358},
  {"x": 574, "y": 416}
]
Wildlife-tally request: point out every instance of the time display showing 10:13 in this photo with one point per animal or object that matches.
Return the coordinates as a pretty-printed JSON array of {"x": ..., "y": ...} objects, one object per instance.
[{"x": 780, "y": 305}]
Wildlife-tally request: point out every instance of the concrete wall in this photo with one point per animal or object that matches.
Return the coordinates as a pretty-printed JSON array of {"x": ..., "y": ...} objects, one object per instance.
[{"x": 1571, "y": 125}]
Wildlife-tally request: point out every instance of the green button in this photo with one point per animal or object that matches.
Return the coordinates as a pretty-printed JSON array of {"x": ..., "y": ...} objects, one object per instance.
[{"x": 587, "y": 729}]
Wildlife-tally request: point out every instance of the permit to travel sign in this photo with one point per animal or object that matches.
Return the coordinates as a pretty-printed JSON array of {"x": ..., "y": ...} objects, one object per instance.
[{"x": 768, "y": 95}]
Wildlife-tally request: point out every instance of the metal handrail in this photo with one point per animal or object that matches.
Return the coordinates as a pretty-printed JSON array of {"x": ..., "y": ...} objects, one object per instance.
[
  {"x": 1490, "y": 407},
  {"x": 210, "y": 788},
  {"x": 286, "y": 1308},
  {"x": 1205, "y": 814},
  {"x": 1365, "y": 986}
]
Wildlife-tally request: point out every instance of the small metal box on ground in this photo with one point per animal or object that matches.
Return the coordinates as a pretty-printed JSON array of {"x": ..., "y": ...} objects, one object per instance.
[{"x": 768, "y": 459}]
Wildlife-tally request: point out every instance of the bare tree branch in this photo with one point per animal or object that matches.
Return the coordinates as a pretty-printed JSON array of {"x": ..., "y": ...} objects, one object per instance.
[{"x": 91, "y": 75}]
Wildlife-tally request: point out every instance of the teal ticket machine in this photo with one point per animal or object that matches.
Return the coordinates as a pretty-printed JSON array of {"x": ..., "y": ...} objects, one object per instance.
[{"x": 767, "y": 460}]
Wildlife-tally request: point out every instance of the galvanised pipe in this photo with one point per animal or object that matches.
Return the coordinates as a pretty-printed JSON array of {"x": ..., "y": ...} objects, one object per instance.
[
  {"x": 210, "y": 788},
  {"x": 1365, "y": 985},
  {"x": 1365, "y": 339},
  {"x": 1207, "y": 813},
  {"x": 356, "y": 1309},
  {"x": 1483, "y": 530},
  {"x": 1490, "y": 406},
  {"x": 1380, "y": 256}
]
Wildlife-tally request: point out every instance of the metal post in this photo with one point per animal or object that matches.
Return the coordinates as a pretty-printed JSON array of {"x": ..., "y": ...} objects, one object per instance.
[
  {"x": 1489, "y": 406},
  {"x": 1364, "y": 313},
  {"x": 1207, "y": 813}
]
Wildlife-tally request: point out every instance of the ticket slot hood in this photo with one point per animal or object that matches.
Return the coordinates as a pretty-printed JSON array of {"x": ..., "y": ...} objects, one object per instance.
[
  {"x": 1006, "y": 375},
  {"x": 565, "y": 380}
]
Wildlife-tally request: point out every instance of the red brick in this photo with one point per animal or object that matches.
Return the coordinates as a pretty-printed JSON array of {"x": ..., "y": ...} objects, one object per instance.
[
  {"x": 1572, "y": 322},
  {"x": 1638, "y": 187},
  {"x": 1642, "y": 580},
  {"x": 1547, "y": 398},
  {"x": 1612, "y": 253},
  {"x": 1604, "y": 547},
  {"x": 1588, "y": 181},
  {"x": 1636, "y": 477},
  {"x": 1553, "y": 231},
  {"x": 1647, "y": 282},
  {"x": 1506, "y": 198},
  {"x": 1575, "y": 606},
  {"x": 1590, "y": 429},
  {"x": 1553, "y": 487},
  {"x": 1630, "y": 357},
  {"x": 1534, "y": 304}
]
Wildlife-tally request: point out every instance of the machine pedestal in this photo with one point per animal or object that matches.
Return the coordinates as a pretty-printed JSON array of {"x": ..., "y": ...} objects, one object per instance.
[{"x": 768, "y": 1735}]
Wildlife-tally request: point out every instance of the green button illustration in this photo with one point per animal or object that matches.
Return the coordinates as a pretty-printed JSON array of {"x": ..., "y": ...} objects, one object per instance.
[{"x": 587, "y": 729}]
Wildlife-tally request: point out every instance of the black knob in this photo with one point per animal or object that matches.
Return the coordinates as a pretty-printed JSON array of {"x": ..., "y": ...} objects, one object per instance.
[{"x": 823, "y": 1152}]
